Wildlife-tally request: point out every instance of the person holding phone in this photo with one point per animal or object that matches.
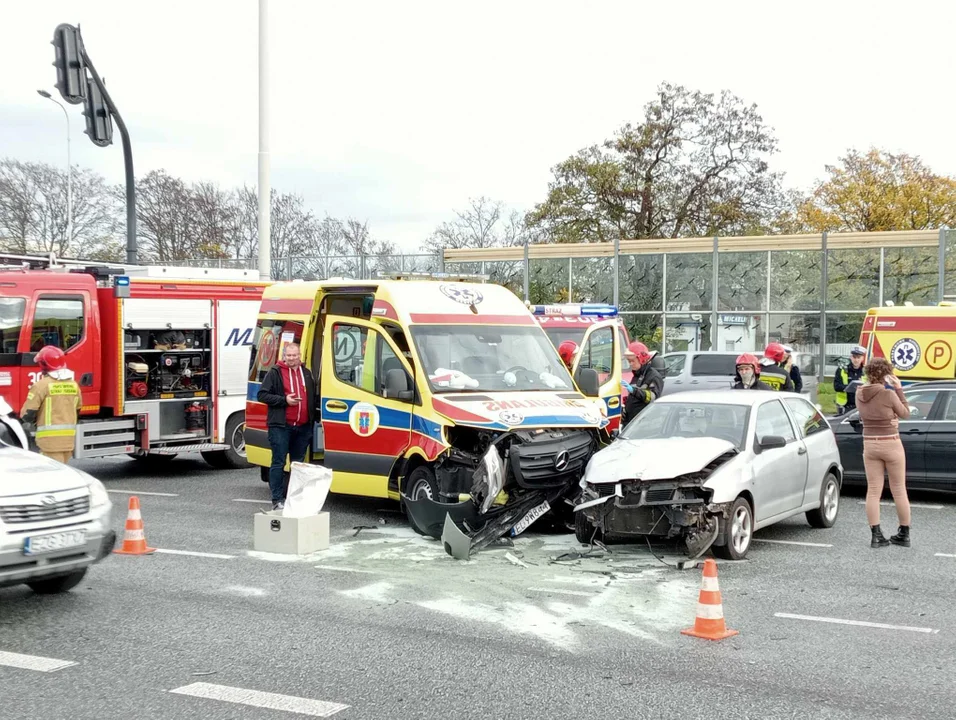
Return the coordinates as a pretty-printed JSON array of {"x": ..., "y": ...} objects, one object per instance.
[
  {"x": 882, "y": 405},
  {"x": 289, "y": 391}
]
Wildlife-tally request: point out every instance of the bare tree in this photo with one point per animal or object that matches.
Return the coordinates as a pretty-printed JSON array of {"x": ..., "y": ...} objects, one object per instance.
[
  {"x": 34, "y": 211},
  {"x": 482, "y": 224}
]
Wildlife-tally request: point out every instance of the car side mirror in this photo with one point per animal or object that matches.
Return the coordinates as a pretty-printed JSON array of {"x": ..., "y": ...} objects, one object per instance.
[
  {"x": 770, "y": 442},
  {"x": 397, "y": 385},
  {"x": 588, "y": 382}
]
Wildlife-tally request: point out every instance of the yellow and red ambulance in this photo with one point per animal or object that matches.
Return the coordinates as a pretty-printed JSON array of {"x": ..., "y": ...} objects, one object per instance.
[
  {"x": 919, "y": 341},
  {"x": 601, "y": 338},
  {"x": 437, "y": 391}
]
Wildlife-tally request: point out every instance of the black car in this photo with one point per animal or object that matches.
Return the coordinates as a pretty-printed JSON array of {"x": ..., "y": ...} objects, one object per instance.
[{"x": 929, "y": 438}]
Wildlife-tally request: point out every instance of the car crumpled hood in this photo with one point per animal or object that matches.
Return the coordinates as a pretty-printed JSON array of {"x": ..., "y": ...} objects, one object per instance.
[
  {"x": 27, "y": 473},
  {"x": 658, "y": 459}
]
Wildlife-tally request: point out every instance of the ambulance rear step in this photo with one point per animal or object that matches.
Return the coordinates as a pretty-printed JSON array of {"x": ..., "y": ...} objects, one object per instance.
[{"x": 105, "y": 437}]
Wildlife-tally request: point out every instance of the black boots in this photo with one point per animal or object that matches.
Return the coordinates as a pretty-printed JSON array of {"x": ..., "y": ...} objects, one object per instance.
[
  {"x": 878, "y": 540},
  {"x": 902, "y": 537}
]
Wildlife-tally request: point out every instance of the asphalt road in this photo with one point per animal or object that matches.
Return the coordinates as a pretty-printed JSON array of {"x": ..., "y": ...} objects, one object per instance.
[{"x": 385, "y": 625}]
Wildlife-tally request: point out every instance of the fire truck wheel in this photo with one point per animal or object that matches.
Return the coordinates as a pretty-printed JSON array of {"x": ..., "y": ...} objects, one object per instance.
[{"x": 235, "y": 457}]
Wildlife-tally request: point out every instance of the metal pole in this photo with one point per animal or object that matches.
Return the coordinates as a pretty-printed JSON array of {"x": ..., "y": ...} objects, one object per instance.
[
  {"x": 766, "y": 332},
  {"x": 882, "y": 261},
  {"x": 69, "y": 167},
  {"x": 713, "y": 297},
  {"x": 570, "y": 279},
  {"x": 664, "y": 302},
  {"x": 265, "y": 190},
  {"x": 617, "y": 267},
  {"x": 527, "y": 278},
  {"x": 825, "y": 280},
  {"x": 131, "y": 248},
  {"x": 941, "y": 278}
]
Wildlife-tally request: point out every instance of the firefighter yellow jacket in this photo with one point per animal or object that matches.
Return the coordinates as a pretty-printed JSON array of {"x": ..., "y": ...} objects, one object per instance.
[{"x": 56, "y": 401}]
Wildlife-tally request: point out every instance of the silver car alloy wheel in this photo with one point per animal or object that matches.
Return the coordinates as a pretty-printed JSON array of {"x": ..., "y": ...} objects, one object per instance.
[
  {"x": 741, "y": 530},
  {"x": 831, "y": 500}
]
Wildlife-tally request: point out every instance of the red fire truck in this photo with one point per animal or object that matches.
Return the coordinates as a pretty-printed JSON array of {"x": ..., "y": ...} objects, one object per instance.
[{"x": 161, "y": 354}]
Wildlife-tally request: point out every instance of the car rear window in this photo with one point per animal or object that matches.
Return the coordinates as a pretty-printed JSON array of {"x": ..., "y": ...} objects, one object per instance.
[{"x": 714, "y": 365}]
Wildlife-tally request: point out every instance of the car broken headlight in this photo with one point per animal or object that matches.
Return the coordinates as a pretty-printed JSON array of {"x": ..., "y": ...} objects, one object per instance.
[
  {"x": 493, "y": 471},
  {"x": 98, "y": 495}
]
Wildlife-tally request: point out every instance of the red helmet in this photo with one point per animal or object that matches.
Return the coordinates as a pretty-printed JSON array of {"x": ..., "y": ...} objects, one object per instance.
[
  {"x": 776, "y": 352},
  {"x": 638, "y": 350},
  {"x": 567, "y": 350},
  {"x": 748, "y": 359},
  {"x": 50, "y": 358}
]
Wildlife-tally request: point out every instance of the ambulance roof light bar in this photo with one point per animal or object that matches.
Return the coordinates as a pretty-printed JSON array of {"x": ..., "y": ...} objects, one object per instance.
[
  {"x": 453, "y": 277},
  {"x": 570, "y": 310}
]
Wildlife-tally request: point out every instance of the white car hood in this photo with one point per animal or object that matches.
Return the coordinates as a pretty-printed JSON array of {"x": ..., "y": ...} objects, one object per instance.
[
  {"x": 25, "y": 473},
  {"x": 661, "y": 459}
]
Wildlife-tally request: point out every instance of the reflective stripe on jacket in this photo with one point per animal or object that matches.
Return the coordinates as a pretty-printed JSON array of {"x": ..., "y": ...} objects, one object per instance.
[{"x": 56, "y": 403}]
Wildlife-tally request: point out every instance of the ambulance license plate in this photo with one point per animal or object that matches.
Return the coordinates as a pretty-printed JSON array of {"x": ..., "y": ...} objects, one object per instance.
[
  {"x": 39, "y": 544},
  {"x": 525, "y": 522}
]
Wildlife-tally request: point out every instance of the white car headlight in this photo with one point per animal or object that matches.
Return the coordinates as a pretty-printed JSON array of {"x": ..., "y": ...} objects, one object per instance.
[{"x": 98, "y": 495}]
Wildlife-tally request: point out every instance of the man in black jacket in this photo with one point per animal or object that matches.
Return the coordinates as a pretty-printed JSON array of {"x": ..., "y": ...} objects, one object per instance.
[{"x": 289, "y": 391}]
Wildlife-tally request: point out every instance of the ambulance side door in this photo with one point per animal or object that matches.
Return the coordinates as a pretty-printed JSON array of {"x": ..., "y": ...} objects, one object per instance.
[
  {"x": 600, "y": 350},
  {"x": 368, "y": 398}
]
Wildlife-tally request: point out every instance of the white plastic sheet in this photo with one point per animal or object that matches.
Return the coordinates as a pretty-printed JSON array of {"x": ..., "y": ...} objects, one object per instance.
[{"x": 309, "y": 486}]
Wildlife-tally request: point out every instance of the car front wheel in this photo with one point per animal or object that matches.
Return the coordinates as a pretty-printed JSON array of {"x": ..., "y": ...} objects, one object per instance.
[{"x": 739, "y": 532}]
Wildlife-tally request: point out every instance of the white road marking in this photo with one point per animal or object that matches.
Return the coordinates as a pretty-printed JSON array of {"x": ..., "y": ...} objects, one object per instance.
[
  {"x": 256, "y": 698},
  {"x": 140, "y": 492},
  {"x": 346, "y": 569},
  {"x": 859, "y": 623},
  {"x": 33, "y": 662},
  {"x": 793, "y": 542},
  {"x": 562, "y": 591},
  {"x": 247, "y": 591},
  {"x": 945, "y": 555},
  {"x": 196, "y": 554},
  {"x": 257, "y": 502},
  {"x": 888, "y": 503}
]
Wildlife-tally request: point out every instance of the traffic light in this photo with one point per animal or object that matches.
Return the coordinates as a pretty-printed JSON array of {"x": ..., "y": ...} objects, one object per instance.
[
  {"x": 70, "y": 69},
  {"x": 99, "y": 123}
]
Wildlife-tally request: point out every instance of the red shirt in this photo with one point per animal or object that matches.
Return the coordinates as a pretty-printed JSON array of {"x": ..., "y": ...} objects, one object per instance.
[{"x": 293, "y": 382}]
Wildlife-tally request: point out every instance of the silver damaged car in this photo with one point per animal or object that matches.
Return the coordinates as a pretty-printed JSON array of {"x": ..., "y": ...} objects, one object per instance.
[{"x": 710, "y": 468}]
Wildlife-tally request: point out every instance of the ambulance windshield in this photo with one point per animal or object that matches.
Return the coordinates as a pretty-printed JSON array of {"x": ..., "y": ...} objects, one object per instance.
[{"x": 489, "y": 358}]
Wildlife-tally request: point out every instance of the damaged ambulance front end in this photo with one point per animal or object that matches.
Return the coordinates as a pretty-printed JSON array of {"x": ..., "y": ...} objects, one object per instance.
[{"x": 509, "y": 462}]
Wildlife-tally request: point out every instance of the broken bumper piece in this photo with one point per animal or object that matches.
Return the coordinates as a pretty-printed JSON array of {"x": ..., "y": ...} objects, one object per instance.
[{"x": 460, "y": 541}]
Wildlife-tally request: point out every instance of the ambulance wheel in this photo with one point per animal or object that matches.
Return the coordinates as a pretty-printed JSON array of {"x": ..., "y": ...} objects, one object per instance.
[
  {"x": 234, "y": 458},
  {"x": 420, "y": 483},
  {"x": 584, "y": 531}
]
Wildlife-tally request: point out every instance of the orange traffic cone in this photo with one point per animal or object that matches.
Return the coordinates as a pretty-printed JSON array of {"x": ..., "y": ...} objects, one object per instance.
[
  {"x": 710, "y": 609},
  {"x": 134, "y": 543}
]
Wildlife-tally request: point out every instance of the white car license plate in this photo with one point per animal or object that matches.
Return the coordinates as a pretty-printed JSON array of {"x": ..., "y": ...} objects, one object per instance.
[
  {"x": 39, "y": 544},
  {"x": 532, "y": 515}
]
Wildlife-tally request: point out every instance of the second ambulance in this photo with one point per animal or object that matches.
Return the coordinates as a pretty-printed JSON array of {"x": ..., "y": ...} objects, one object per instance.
[
  {"x": 917, "y": 340},
  {"x": 440, "y": 393}
]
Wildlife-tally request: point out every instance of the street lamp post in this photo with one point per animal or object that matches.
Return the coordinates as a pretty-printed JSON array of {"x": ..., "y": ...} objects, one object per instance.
[{"x": 69, "y": 167}]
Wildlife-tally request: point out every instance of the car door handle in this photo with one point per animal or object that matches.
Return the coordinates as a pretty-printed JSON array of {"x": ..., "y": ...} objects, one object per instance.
[
  {"x": 801, "y": 451},
  {"x": 914, "y": 431}
]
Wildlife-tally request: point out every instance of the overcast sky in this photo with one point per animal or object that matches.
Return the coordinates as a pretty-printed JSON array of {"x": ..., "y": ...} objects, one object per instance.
[{"x": 399, "y": 112}]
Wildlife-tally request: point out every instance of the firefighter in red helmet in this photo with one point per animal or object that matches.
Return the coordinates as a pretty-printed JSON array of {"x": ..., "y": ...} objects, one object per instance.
[
  {"x": 567, "y": 350},
  {"x": 773, "y": 373},
  {"x": 52, "y": 405},
  {"x": 646, "y": 384},
  {"x": 748, "y": 374}
]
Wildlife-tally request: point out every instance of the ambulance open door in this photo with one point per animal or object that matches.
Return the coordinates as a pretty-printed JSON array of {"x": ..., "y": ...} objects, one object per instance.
[{"x": 601, "y": 351}]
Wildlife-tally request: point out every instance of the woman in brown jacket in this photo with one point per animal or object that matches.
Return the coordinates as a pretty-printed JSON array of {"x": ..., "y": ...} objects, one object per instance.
[{"x": 882, "y": 405}]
